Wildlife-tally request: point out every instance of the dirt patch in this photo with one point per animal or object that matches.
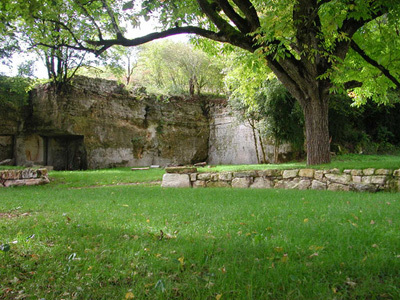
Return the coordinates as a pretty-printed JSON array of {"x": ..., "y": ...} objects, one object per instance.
[
  {"x": 12, "y": 215},
  {"x": 149, "y": 183}
]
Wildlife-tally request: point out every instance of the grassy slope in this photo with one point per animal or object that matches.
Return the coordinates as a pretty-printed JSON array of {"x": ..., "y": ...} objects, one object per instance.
[{"x": 104, "y": 243}]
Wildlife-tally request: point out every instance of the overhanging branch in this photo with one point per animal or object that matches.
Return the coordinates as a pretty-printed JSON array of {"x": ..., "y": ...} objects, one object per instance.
[
  {"x": 374, "y": 63},
  {"x": 219, "y": 37}
]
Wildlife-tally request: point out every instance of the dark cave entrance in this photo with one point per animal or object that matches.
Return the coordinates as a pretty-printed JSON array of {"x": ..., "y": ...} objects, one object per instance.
[{"x": 65, "y": 152}]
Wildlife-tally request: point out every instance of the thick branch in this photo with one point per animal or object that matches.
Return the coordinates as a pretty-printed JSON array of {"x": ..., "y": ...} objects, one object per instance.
[
  {"x": 352, "y": 84},
  {"x": 374, "y": 63},
  {"x": 213, "y": 15},
  {"x": 250, "y": 12},
  {"x": 219, "y": 37},
  {"x": 240, "y": 22},
  {"x": 350, "y": 27}
]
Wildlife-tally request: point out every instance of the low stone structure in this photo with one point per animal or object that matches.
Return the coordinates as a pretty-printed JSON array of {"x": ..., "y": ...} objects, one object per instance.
[
  {"x": 365, "y": 180},
  {"x": 23, "y": 177}
]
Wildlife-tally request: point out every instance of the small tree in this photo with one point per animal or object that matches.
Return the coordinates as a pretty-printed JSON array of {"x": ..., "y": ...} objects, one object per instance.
[{"x": 178, "y": 68}]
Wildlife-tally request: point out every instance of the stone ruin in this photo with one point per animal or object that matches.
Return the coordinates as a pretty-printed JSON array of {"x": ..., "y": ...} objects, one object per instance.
[
  {"x": 96, "y": 123},
  {"x": 23, "y": 177}
]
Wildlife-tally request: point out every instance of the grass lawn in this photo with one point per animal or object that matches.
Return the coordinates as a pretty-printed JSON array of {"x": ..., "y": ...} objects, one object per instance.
[
  {"x": 348, "y": 161},
  {"x": 65, "y": 241}
]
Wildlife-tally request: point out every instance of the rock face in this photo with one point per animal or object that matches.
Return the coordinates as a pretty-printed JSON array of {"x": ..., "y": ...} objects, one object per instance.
[
  {"x": 232, "y": 142},
  {"x": 98, "y": 124}
]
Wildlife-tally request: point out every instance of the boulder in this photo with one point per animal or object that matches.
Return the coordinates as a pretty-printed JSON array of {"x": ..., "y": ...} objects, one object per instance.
[
  {"x": 225, "y": 176},
  {"x": 303, "y": 184},
  {"x": 343, "y": 179},
  {"x": 369, "y": 171},
  {"x": 309, "y": 173},
  {"x": 290, "y": 173},
  {"x": 338, "y": 187},
  {"x": 175, "y": 180},
  {"x": 318, "y": 185},
  {"x": 241, "y": 182},
  {"x": 262, "y": 183},
  {"x": 199, "y": 184},
  {"x": 364, "y": 187}
]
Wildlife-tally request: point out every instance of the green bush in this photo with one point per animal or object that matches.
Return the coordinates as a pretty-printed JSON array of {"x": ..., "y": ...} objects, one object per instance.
[{"x": 14, "y": 91}]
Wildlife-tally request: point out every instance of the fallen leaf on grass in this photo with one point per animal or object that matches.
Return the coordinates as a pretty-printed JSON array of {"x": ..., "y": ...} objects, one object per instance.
[
  {"x": 372, "y": 222},
  {"x": 218, "y": 297},
  {"x": 285, "y": 258},
  {"x": 316, "y": 248},
  {"x": 129, "y": 295},
  {"x": 306, "y": 220},
  {"x": 350, "y": 283}
]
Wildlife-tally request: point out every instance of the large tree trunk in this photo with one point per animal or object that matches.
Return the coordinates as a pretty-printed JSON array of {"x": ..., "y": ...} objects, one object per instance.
[{"x": 317, "y": 130}]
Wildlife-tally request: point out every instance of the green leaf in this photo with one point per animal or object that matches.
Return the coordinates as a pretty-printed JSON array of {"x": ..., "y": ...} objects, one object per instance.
[{"x": 128, "y": 5}]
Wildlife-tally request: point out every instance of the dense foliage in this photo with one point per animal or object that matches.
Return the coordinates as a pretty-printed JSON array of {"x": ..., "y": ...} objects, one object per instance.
[{"x": 14, "y": 91}]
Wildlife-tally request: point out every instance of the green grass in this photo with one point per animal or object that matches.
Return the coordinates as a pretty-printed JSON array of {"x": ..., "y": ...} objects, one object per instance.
[
  {"x": 11, "y": 168},
  {"x": 114, "y": 176},
  {"x": 105, "y": 242},
  {"x": 349, "y": 161}
]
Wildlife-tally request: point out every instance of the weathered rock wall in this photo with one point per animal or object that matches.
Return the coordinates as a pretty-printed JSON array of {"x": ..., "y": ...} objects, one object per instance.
[
  {"x": 112, "y": 127},
  {"x": 366, "y": 180},
  {"x": 96, "y": 123},
  {"x": 232, "y": 142},
  {"x": 11, "y": 120}
]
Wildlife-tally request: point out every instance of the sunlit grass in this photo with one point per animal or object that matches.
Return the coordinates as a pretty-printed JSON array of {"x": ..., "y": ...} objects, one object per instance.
[
  {"x": 106, "y": 243},
  {"x": 349, "y": 161},
  {"x": 104, "y": 177}
]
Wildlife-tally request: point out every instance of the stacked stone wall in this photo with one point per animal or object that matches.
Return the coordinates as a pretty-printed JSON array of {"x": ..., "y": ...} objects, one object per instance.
[
  {"x": 23, "y": 177},
  {"x": 368, "y": 180}
]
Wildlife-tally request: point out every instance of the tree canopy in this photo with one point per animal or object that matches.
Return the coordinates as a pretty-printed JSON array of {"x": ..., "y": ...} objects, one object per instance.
[{"x": 314, "y": 47}]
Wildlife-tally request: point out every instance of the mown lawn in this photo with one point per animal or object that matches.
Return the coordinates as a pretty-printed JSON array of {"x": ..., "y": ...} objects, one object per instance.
[
  {"x": 65, "y": 241},
  {"x": 348, "y": 161}
]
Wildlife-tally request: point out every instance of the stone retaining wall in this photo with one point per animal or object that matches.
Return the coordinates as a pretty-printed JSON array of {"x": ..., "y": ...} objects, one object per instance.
[
  {"x": 369, "y": 180},
  {"x": 23, "y": 177}
]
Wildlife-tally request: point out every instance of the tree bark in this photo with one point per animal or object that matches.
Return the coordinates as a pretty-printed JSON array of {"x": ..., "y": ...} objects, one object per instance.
[
  {"x": 317, "y": 130},
  {"x": 264, "y": 160},
  {"x": 253, "y": 128}
]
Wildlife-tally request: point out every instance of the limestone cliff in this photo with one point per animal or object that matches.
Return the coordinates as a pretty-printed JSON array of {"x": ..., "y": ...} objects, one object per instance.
[{"x": 96, "y": 124}]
